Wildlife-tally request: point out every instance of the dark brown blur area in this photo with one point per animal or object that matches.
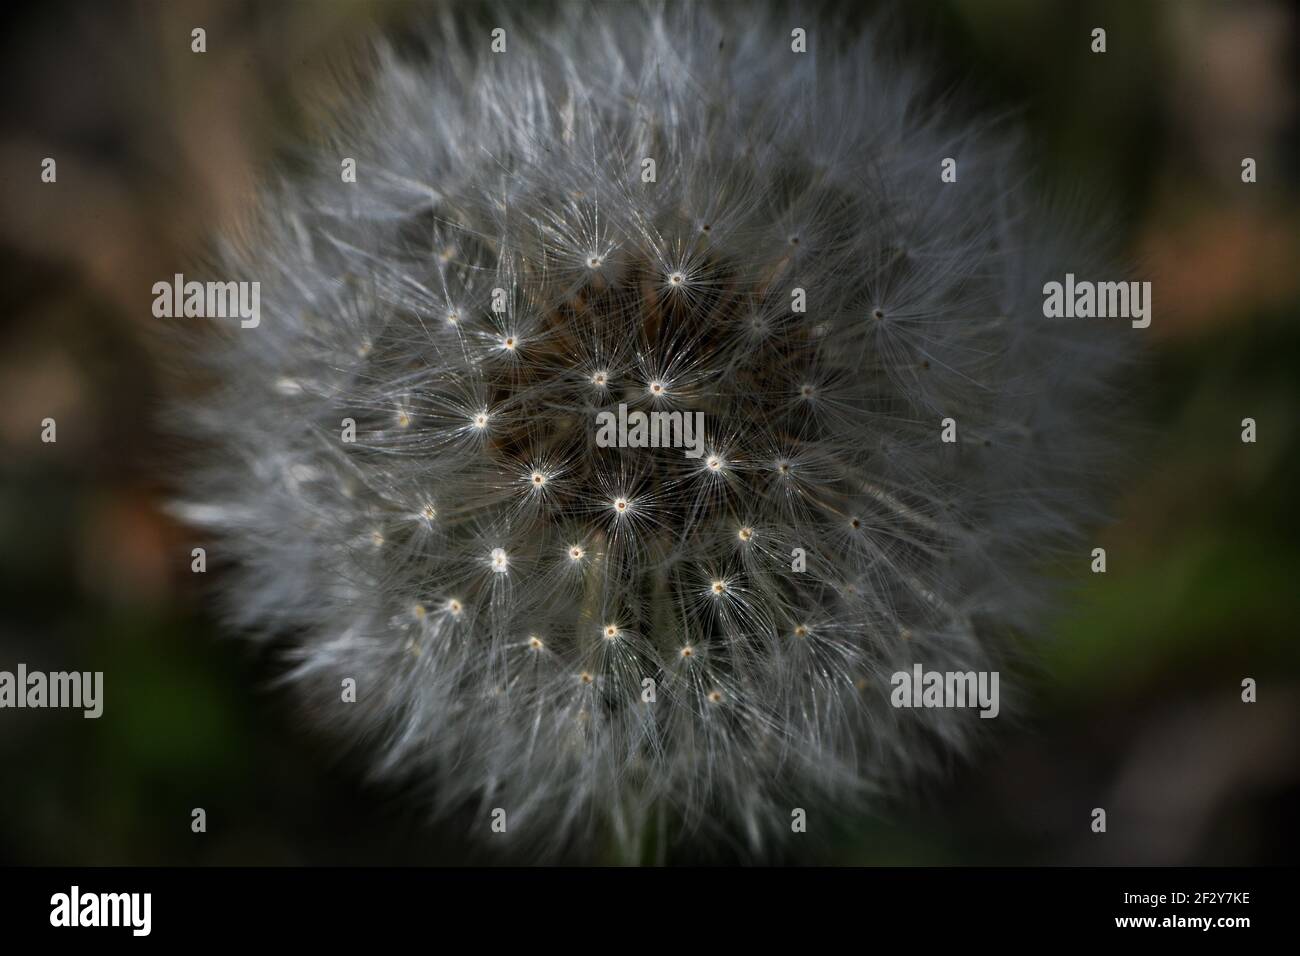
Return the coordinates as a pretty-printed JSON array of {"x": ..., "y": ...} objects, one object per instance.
[{"x": 1139, "y": 707}]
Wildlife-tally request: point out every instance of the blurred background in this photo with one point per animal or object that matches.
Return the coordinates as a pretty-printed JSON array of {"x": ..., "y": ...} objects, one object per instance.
[{"x": 1138, "y": 709}]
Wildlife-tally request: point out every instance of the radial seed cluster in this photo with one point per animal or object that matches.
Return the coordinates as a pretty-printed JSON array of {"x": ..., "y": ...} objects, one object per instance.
[{"x": 674, "y": 211}]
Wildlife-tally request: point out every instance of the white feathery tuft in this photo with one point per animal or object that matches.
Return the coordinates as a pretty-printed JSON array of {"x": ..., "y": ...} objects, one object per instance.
[{"x": 498, "y": 585}]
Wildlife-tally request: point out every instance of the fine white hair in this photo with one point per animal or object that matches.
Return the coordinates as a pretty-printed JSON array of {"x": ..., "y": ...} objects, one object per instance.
[{"x": 590, "y": 638}]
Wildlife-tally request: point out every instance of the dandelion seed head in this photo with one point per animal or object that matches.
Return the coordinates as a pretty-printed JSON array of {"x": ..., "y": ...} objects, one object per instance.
[{"x": 778, "y": 176}]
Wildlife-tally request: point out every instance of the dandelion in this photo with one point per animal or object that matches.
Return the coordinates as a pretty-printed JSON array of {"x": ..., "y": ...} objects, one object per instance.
[{"x": 778, "y": 177}]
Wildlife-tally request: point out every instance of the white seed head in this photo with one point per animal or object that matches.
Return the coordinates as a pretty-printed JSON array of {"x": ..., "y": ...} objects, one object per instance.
[{"x": 775, "y": 173}]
